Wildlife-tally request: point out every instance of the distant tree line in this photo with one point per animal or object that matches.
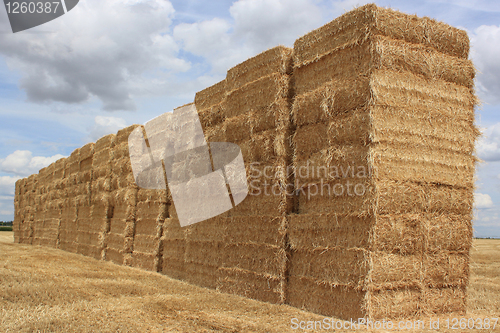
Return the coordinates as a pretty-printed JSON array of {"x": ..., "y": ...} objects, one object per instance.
[{"x": 6, "y": 223}]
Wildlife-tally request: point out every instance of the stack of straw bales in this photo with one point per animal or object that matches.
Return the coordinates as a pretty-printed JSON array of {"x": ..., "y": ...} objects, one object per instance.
[
  {"x": 375, "y": 114},
  {"x": 123, "y": 196},
  {"x": 87, "y": 230},
  {"x": 242, "y": 251},
  {"x": 67, "y": 181},
  {"x": 102, "y": 208},
  {"x": 151, "y": 212},
  {"x": 391, "y": 97}
]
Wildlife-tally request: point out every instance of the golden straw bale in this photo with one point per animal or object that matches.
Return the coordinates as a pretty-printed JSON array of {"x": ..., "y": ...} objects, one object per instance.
[
  {"x": 257, "y": 95},
  {"x": 275, "y": 60},
  {"x": 262, "y": 287},
  {"x": 212, "y": 95},
  {"x": 364, "y": 22}
]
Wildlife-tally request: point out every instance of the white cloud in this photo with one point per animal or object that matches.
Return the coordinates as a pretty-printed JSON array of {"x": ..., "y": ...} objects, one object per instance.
[
  {"x": 266, "y": 23},
  {"x": 258, "y": 25},
  {"x": 7, "y": 187},
  {"x": 485, "y": 52},
  {"x": 488, "y": 146},
  {"x": 23, "y": 163},
  {"x": 482, "y": 200},
  {"x": 100, "y": 48},
  {"x": 106, "y": 125}
]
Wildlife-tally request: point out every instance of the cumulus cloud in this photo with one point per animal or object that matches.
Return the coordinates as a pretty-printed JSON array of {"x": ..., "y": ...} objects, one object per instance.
[
  {"x": 482, "y": 200},
  {"x": 488, "y": 146},
  {"x": 99, "y": 49},
  {"x": 106, "y": 125},
  {"x": 7, "y": 186},
  {"x": 485, "y": 52},
  {"x": 23, "y": 163},
  {"x": 257, "y": 25}
]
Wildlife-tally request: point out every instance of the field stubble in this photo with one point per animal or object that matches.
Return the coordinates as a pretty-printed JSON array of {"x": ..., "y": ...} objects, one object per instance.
[{"x": 48, "y": 290}]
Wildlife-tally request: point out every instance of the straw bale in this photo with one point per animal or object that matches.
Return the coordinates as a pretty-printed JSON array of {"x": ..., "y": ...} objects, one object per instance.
[
  {"x": 90, "y": 237},
  {"x": 144, "y": 261},
  {"x": 264, "y": 229},
  {"x": 403, "y": 125},
  {"x": 450, "y": 232},
  {"x": 105, "y": 142},
  {"x": 257, "y": 95},
  {"x": 87, "y": 151},
  {"x": 363, "y": 22},
  {"x": 329, "y": 101},
  {"x": 174, "y": 268},
  {"x": 262, "y": 287},
  {"x": 115, "y": 241},
  {"x": 446, "y": 269},
  {"x": 120, "y": 151},
  {"x": 69, "y": 246},
  {"x": 212, "y": 115},
  {"x": 172, "y": 229},
  {"x": 145, "y": 244},
  {"x": 342, "y": 65},
  {"x": 92, "y": 225},
  {"x": 399, "y": 234},
  {"x": 157, "y": 196},
  {"x": 117, "y": 224},
  {"x": 102, "y": 158},
  {"x": 423, "y": 61},
  {"x": 406, "y": 89},
  {"x": 389, "y": 271},
  {"x": 275, "y": 60},
  {"x": 338, "y": 161},
  {"x": 212, "y": 95},
  {"x": 309, "y": 231},
  {"x": 59, "y": 167},
  {"x": 325, "y": 298},
  {"x": 211, "y": 230},
  {"x": 354, "y": 196},
  {"x": 174, "y": 248},
  {"x": 237, "y": 129},
  {"x": 422, "y": 164},
  {"x": 89, "y": 250},
  {"x": 122, "y": 135},
  {"x": 398, "y": 304},
  {"x": 259, "y": 258},
  {"x": 339, "y": 266},
  {"x": 310, "y": 139},
  {"x": 216, "y": 133},
  {"x": 407, "y": 197},
  {"x": 146, "y": 226},
  {"x": 114, "y": 255},
  {"x": 268, "y": 145},
  {"x": 445, "y": 300},
  {"x": 256, "y": 205},
  {"x": 204, "y": 252},
  {"x": 274, "y": 115},
  {"x": 201, "y": 275}
]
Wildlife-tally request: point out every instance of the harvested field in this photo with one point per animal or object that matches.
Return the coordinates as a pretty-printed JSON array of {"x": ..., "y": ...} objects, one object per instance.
[{"x": 47, "y": 289}]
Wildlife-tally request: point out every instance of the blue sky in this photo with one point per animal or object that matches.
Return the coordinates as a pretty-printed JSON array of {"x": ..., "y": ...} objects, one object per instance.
[{"x": 109, "y": 64}]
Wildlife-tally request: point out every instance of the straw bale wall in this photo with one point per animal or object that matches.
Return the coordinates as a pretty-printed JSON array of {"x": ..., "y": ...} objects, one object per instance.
[{"x": 359, "y": 150}]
